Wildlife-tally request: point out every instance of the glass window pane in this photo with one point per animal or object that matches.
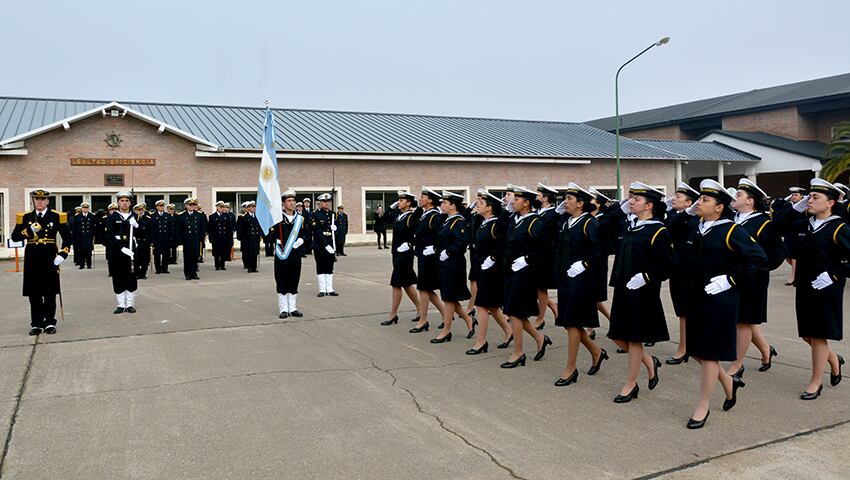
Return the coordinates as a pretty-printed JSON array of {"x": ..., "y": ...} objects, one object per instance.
[
  {"x": 69, "y": 203},
  {"x": 100, "y": 202}
]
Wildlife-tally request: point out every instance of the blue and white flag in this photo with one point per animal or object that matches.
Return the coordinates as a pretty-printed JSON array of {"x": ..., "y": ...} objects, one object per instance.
[{"x": 269, "y": 212}]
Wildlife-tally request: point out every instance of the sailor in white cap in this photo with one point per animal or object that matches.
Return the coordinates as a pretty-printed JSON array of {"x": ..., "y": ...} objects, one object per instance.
[
  {"x": 83, "y": 230},
  {"x": 820, "y": 277},
  {"x": 425, "y": 239},
  {"x": 452, "y": 242},
  {"x": 546, "y": 277},
  {"x": 170, "y": 209},
  {"x": 750, "y": 204},
  {"x": 323, "y": 228},
  {"x": 142, "y": 260},
  {"x": 403, "y": 276},
  {"x": 248, "y": 232},
  {"x": 220, "y": 226},
  {"x": 778, "y": 207},
  {"x": 601, "y": 203},
  {"x": 162, "y": 234},
  {"x": 123, "y": 234},
  {"x": 720, "y": 256},
  {"x": 523, "y": 244},
  {"x": 190, "y": 231},
  {"x": 290, "y": 236}
]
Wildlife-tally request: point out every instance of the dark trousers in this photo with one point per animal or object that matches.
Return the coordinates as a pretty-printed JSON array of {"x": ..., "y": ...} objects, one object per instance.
[
  {"x": 142, "y": 261},
  {"x": 42, "y": 311},
  {"x": 219, "y": 260},
  {"x": 340, "y": 243},
  {"x": 172, "y": 260},
  {"x": 384, "y": 233},
  {"x": 123, "y": 276},
  {"x": 161, "y": 259},
  {"x": 324, "y": 261},
  {"x": 250, "y": 261},
  {"x": 83, "y": 259},
  {"x": 190, "y": 261}
]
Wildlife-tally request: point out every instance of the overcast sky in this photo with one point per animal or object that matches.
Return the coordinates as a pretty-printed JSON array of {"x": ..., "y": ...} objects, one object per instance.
[{"x": 549, "y": 60}]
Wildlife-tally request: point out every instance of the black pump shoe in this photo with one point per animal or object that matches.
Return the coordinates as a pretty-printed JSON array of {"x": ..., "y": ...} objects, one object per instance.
[
  {"x": 130, "y": 310},
  {"x": 677, "y": 361},
  {"x": 506, "y": 343},
  {"x": 653, "y": 382},
  {"x": 592, "y": 335},
  {"x": 628, "y": 397},
  {"x": 649, "y": 344},
  {"x": 516, "y": 363},
  {"x": 739, "y": 373},
  {"x": 563, "y": 382},
  {"x": 481, "y": 350},
  {"x": 283, "y": 315},
  {"x": 447, "y": 338},
  {"x": 390, "y": 321},
  {"x": 539, "y": 355},
  {"x": 766, "y": 366},
  {"x": 540, "y": 327},
  {"x": 415, "y": 319},
  {"x": 621, "y": 350},
  {"x": 472, "y": 332},
  {"x": 595, "y": 368},
  {"x": 695, "y": 424},
  {"x": 811, "y": 395},
  {"x": 295, "y": 313},
  {"x": 834, "y": 380},
  {"x": 730, "y": 402},
  {"x": 118, "y": 310},
  {"x": 423, "y": 328},
  {"x": 441, "y": 325}
]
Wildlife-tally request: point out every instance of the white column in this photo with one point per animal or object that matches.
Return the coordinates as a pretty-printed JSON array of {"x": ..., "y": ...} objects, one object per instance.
[
  {"x": 678, "y": 171},
  {"x": 721, "y": 172},
  {"x": 751, "y": 173}
]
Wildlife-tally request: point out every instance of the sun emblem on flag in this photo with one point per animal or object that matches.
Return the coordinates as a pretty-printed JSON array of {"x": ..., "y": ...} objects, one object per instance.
[{"x": 268, "y": 173}]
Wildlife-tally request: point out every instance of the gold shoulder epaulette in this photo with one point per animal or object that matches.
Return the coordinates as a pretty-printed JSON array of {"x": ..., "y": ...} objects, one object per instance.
[
  {"x": 63, "y": 217},
  {"x": 19, "y": 217}
]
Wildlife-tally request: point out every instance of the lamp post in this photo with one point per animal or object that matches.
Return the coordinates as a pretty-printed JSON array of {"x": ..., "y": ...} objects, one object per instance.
[{"x": 617, "y": 107}]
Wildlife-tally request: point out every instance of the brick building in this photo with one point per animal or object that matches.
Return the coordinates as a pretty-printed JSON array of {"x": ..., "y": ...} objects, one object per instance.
[
  {"x": 88, "y": 150},
  {"x": 787, "y": 126}
]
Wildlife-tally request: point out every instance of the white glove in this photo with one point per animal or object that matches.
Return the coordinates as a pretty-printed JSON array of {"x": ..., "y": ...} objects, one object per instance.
[
  {"x": 519, "y": 264},
  {"x": 788, "y": 198},
  {"x": 487, "y": 263},
  {"x": 298, "y": 243},
  {"x": 429, "y": 250},
  {"x": 127, "y": 251},
  {"x": 444, "y": 255},
  {"x": 576, "y": 269},
  {"x": 394, "y": 205},
  {"x": 508, "y": 201},
  {"x": 802, "y": 205},
  {"x": 561, "y": 208},
  {"x": 58, "y": 261},
  {"x": 624, "y": 206},
  {"x": 718, "y": 284},
  {"x": 692, "y": 209},
  {"x": 403, "y": 247},
  {"x": 333, "y": 228},
  {"x": 822, "y": 281},
  {"x": 636, "y": 282},
  {"x": 35, "y": 227},
  {"x": 669, "y": 203},
  {"x": 133, "y": 222},
  {"x": 329, "y": 249}
]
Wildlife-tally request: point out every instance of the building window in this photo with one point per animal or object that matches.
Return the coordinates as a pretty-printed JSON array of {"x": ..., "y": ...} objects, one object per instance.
[
  {"x": 374, "y": 199},
  {"x": 235, "y": 199}
]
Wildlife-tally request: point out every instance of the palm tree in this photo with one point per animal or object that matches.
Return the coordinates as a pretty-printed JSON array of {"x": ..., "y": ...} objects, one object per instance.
[{"x": 837, "y": 153}]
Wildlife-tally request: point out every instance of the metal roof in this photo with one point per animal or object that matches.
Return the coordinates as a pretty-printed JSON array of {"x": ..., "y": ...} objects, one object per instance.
[
  {"x": 240, "y": 128},
  {"x": 834, "y": 87},
  {"x": 696, "y": 150},
  {"x": 804, "y": 148}
]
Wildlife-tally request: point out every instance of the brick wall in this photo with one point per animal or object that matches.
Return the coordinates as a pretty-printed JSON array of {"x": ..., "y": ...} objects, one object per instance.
[
  {"x": 669, "y": 132},
  {"x": 785, "y": 122}
]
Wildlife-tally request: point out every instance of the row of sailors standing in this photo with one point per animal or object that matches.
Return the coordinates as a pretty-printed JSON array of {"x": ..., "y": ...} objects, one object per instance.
[{"x": 715, "y": 246}]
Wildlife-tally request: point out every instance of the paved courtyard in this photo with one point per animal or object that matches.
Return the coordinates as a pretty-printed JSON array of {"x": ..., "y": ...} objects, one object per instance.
[{"x": 205, "y": 382}]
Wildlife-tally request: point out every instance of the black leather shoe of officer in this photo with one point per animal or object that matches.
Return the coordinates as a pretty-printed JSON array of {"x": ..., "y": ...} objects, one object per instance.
[
  {"x": 50, "y": 329},
  {"x": 121, "y": 309},
  {"x": 321, "y": 294},
  {"x": 283, "y": 315},
  {"x": 131, "y": 310},
  {"x": 35, "y": 331},
  {"x": 295, "y": 313},
  {"x": 333, "y": 294}
]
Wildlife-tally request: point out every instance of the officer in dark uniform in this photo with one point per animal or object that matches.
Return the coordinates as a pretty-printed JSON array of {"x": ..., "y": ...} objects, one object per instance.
[
  {"x": 268, "y": 243},
  {"x": 42, "y": 258},
  {"x": 190, "y": 228},
  {"x": 323, "y": 226},
  {"x": 123, "y": 235},
  {"x": 172, "y": 249},
  {"x": 341, "y": 230},
  {"x": 142, "y": 260},
  {"x": 84, "y": 230},
  {"x": 221, "y": 234},
  {"x": 545, "y": 275},
  {"x": 307, "y": 212},
  {"x": 249, "y": 234},
  {"x": 290, "y": 235},
  {"x": 71, "y": 219},
  {"x": 228, "y": 210},
  {"x": 161, "y": 236},
  {"x": 103, "y": 229}
]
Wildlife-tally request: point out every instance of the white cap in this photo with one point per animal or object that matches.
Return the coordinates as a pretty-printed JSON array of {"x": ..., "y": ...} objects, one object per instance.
[
  {"x": 640, "y": 188},
  {"x": 574, "y": 189},
  {"x": 324, "y": 197},
  {"x": 596, "y": 193},
  {"x": 713, "y": 189},
  {"x": 750, "y": 186},
  {"x": 546, "y": 189},
  {"x": 288, "y": 194},
  {"x": 447, "y": 195},
  {"x": 685, "y": 188},
  {"x": 821, "y": 185}
]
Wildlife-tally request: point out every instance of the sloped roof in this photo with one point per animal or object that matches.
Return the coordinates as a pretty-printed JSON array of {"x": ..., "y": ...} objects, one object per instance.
[
  {"x": 804, "y": 148},
  {"x": 696, "y": 150}
]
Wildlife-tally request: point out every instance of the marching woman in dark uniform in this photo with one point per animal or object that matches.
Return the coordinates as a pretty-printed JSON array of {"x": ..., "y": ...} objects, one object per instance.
[
  {"x": 607, "y": 236},
  {"x": 643, "y": 261},
  {"x": 290, "y": 235},
  {"x": 680, "y": 224},
  {"x": 473, "y": 220},
  {"x": 579, "y": 253},
  {"x": 820, "y": 277},
  {"x": 429, "y": 222},
  {"x": 749, "y": 206},
  {"x": 42, "y": 258},
  {"x": 545, "y": 275},
  {"x": 523, "y": 244},
  {"x": 123, "y": 234},
  {"x": 452, "y": 241},
  {"x": 721, "y": 255},
  {"x": 489, "y": 243},
  {"x": 403, "y": 277},
  {"x": 792, "y": 243}
]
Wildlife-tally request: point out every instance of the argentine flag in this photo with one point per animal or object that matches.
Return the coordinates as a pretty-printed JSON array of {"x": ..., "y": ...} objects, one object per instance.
[{"x": 268, "y": 212}]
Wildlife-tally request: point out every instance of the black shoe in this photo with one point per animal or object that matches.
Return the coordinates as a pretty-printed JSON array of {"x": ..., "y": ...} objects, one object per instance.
[
  {"x": 563, "y": 382},
  {"x": 649, "y": 344},
  {"x": 483, "y": 349},
  {"x": 195, "y": 277},
  {"x": 188, "y": 278},
  {"x": 415, "y": 319},
  {"x": 423, "y": 328},
  {"x": 35, "y": 330},
  {"x": 321, "y": 294},
  {"x": 539, "y": 355},
  {"x": 592, "y": 335},
  {"x": 653, "y": 382},
  {"x": 343, "y": 254},
  {"x": 516, "y": 363},
  {"x": 621, "y": 350},
  {"x": 595, "y": 368},
  {"x": 390, "y": 321},
  {"x": 739, "y": 373},
  {"x": 333, "y": 294},
  {"x": 130, "y": 310},
  {"x": 730, "y": 402},
  {"x": 506, "y": 343},
  {"x": 81, "y": 267},
  {"x": 628, "y": 397},
  {"x": 441, "y": 325},
  {"x": 695, "y": 424},
  {"x": 165, "y": 272},
  {"x": 121, "y": 309},
  {"x": 283, "y": 315},
  {"x": 50, "y": 329},
  {"x": 223, "y": 268},
  {"x": 834, "y": 380},
  {"x": 88, "y": 267},
  {"x": 157, "y": 273},
  {"x": 677, "y": 361},
  {"x": 540, "y": 327},
  {"x": 471, "y": 333},
  {"x": 810, "y": 395},
  {"x": 447, "y": 338},
  {"x": 471, "y": 313},
  {"x": 296, "y": 313}
]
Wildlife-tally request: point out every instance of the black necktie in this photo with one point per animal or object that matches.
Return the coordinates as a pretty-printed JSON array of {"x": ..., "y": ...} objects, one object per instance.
[{"x": 40, "y": 215}]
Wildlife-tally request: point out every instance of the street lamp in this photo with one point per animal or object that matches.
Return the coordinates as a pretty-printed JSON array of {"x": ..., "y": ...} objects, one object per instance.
[{"x": 617, "y": 106}]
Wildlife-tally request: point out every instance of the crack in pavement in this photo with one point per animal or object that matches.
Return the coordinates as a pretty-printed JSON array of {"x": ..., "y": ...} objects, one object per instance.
[{"x": 18, "y": 400}]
